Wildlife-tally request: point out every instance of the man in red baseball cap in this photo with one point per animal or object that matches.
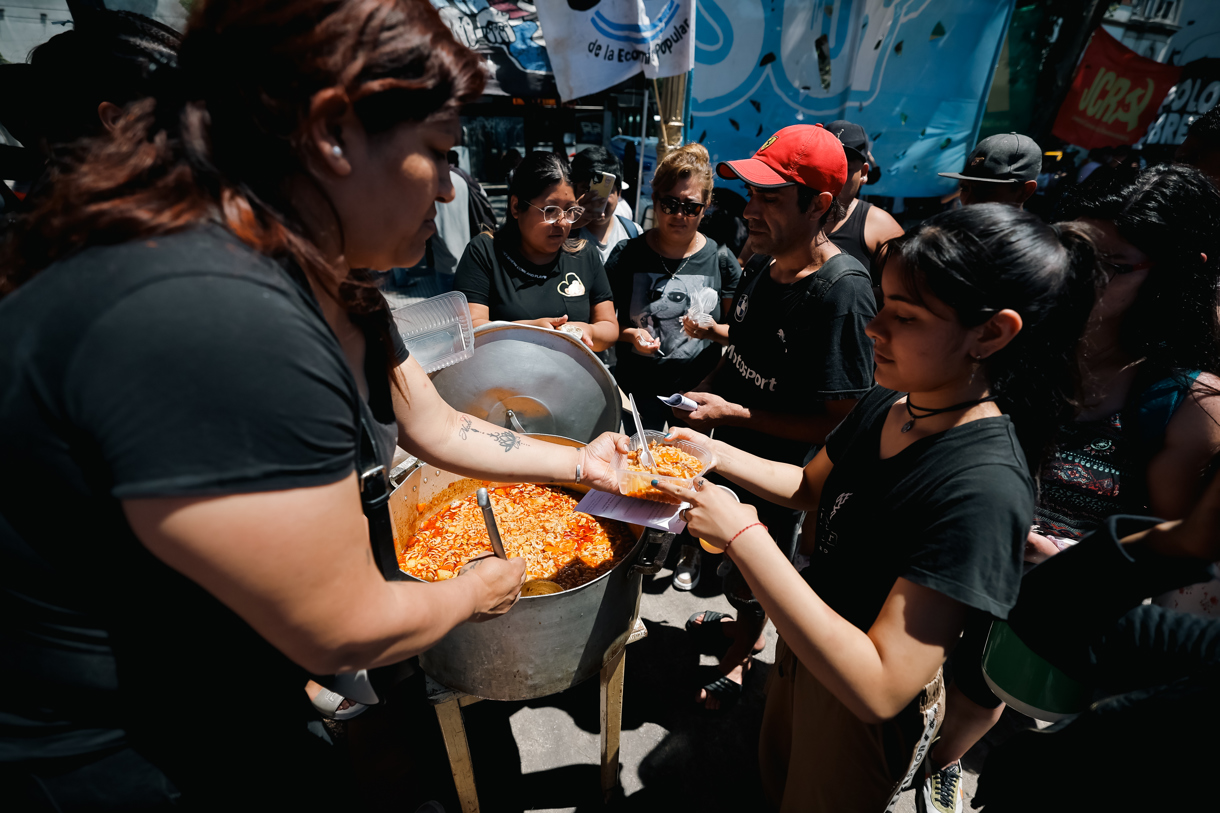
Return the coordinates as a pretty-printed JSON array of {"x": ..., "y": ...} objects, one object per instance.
[{"x": 797, "y": 358}]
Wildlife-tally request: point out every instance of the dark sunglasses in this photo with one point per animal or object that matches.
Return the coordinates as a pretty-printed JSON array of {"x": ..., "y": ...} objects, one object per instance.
[{"x": 671, "y": 206}]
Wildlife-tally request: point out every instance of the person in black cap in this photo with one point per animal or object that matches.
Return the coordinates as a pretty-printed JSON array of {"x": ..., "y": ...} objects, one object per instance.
[
  {"x": 1002, "y": 169},
  {"x": 865, "y": 227}
]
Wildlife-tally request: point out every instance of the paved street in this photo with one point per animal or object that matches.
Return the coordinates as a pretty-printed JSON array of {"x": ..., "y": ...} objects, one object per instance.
[{"x": 543, "y": 755}]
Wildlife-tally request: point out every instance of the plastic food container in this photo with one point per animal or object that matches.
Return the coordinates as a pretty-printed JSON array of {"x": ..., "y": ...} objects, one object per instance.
[
  {"x": 574, "y": 331},
  {"x": 639, "y": 483},
  {"x": 437, "y": 331}
]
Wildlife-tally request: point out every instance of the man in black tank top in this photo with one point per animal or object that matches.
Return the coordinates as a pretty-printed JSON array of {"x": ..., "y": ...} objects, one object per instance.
[{"x": 866, "y": 226}]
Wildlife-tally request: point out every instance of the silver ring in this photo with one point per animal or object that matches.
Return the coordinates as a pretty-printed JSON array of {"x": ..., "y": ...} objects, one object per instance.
[{"x": 685, "y": 514}]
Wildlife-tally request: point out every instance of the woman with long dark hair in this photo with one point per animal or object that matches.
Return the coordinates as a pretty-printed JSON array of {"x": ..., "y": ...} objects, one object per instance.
[
  {"x": 196, "y": 360},
  {"x": 531, "y": 271},
  {"x": 1146, "y": 424},
  {"x": 923, "y": 496}
]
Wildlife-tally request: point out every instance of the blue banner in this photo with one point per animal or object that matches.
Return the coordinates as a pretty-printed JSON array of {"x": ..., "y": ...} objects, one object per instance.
[{"x": 914, "y": 73}]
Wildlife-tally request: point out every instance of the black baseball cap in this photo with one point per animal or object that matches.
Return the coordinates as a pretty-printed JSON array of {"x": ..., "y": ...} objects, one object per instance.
[
  {"x": 855, "y": 145},
  {"x": 1004, "y": 158}
]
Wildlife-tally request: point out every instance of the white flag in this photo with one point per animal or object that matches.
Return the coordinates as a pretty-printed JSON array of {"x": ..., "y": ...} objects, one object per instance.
[{"x": 595, "y": 44}]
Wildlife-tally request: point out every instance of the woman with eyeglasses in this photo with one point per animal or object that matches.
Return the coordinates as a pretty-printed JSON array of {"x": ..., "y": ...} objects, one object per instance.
[
  {"x": 530, "y": 271},
  {"x": 1147, "y": 421},
  {"x": 661, "y": 276}
]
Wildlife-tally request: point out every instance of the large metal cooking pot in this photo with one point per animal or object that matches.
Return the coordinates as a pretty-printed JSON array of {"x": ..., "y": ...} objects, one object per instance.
[
  {"x": 533, "y": 379},
  {"x": 546, "y": 643}
]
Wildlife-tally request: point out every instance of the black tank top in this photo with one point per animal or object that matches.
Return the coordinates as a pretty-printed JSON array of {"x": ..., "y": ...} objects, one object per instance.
[{"x": 850, "y": 238}]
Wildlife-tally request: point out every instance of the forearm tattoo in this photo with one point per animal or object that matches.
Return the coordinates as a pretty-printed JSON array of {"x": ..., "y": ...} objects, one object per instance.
[{"x": 507, "y": 439}]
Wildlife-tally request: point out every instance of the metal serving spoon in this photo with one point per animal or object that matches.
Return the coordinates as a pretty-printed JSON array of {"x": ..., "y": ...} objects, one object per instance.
[{"x": 489, "y": 517}]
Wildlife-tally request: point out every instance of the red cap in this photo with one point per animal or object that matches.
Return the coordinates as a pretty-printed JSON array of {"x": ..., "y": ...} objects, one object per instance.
[{"x": 803, "y": 153}]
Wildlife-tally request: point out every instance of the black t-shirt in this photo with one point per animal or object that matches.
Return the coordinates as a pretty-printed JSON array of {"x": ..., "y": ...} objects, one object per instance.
[
  {"x": 654, "y": 293},
  {"x": 791, "y": 349},
  {"x": 183, "y": 365},
  {"x": 950, "y": 512},
  {"x": 514, "y": 289}
]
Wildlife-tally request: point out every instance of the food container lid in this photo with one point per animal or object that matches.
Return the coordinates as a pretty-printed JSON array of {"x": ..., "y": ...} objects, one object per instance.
[
  {"x": 437, "y": 331},
  {"x": 550, "y": 382}
]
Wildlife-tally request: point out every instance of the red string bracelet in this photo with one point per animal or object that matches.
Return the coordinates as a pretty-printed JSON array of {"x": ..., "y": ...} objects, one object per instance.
[{"x": 742, "y": 531}]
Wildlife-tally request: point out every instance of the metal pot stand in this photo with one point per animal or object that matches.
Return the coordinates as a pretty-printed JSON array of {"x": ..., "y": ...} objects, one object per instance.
[{"x": 449, "y": 702}]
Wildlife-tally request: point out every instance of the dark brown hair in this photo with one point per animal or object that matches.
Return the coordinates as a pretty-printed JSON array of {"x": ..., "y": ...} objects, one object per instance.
[
  {"x": 981, "y": 259},
  {"x": 226, "y": 129}
]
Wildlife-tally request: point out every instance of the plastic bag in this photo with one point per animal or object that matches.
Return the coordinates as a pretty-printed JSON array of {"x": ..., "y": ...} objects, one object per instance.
[{"x": 701, "y": 304}]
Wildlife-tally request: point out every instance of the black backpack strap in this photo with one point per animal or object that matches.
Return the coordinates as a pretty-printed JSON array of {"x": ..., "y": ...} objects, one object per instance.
[
  {"x": 754, "y": 268},
  {"x": 835, "y": 269},
  {"x": 629, "y": 226}
]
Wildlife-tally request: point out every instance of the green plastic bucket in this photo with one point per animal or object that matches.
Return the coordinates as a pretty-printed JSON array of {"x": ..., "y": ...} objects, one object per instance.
[{"x": 1028, "y": 682}]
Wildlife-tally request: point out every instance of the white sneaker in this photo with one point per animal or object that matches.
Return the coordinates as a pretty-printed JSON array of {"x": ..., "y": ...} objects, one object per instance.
[
  {"x": 686, "y": 574},
  {"x": 941, "y": 791}
]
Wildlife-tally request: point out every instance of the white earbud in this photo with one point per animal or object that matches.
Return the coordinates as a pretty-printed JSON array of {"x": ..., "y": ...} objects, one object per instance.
[{"x": 336, "y": 151}]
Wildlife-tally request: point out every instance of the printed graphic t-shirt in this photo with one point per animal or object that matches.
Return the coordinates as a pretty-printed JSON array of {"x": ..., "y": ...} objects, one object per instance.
[
  {"x": 950, "y": 512},
  {"x": 654, "y": 293},
  {"x": 789, "y": 351},
  {"x": 515, "y": 289}
]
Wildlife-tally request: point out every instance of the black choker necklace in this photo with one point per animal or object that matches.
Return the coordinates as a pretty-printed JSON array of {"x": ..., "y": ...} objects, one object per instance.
[{"x": 928, "y": 413}]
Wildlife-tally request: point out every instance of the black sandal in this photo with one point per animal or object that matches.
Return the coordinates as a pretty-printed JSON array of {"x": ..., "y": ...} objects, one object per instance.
[
  {"x": 724, "y": 690},
  {"x": 708, "y": 635}
]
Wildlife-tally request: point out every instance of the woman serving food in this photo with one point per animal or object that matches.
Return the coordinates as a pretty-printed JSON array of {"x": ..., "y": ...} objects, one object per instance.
[{"x": 203, "y": 358}]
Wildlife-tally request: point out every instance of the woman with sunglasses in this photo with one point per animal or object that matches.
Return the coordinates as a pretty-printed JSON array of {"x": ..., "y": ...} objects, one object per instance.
[
  {"x": 659, "y": 277},
  {"x": 1147, "y": 419},
  {"x": 530, "y": 272}
]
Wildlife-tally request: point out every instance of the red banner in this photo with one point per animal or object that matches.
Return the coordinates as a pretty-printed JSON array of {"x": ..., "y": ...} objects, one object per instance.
[{"x": 1114, "y": 96}]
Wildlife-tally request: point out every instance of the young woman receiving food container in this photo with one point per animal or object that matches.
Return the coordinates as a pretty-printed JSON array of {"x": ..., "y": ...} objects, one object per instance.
[
  {"x": 530, "y": 271},
  {"x": 181, "y": 531},
  {"x": 923, "y": 495}
]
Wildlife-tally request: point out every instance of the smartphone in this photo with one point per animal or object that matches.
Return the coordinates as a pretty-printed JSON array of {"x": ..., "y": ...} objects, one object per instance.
[{"x": 605, "y": 186}]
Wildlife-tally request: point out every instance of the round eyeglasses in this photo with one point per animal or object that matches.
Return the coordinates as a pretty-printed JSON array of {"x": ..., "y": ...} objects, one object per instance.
[
  {"x": 1113, "y": 269},
  {"x": 671, "y": 206},
  {"x": 551, "y": 214}
]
